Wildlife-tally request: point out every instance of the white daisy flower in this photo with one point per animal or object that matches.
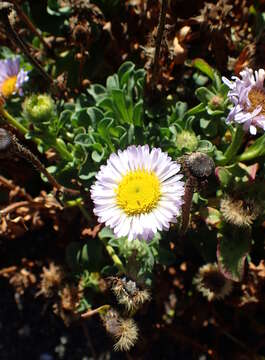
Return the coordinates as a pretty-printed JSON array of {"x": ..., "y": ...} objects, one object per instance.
[{"x": 138, "y": 192}]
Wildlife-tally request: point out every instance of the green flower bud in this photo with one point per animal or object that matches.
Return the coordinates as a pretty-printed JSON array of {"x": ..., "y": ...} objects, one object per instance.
[
  {"x": 186, "y": 140},
  {"x": 216, "y": 102},
  {"x": 39, "y": 108}
]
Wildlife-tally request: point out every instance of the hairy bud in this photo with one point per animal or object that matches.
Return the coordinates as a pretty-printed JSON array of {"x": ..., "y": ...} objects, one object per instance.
[
  {"x": 39, "y": 108},
  {"x": 186, "y": 140}
]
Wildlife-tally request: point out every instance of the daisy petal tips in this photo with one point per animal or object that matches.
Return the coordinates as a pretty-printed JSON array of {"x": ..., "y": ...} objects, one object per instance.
[
  {"x": 248, "y": 96},
  {"x": 11, "y": 77},
  {"x": 138, "y": 192}
]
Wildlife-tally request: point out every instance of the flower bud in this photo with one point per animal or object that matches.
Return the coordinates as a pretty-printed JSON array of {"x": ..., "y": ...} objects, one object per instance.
[
  {"x": 186, "y": 140},
  {"x": 39, "y": 108}
]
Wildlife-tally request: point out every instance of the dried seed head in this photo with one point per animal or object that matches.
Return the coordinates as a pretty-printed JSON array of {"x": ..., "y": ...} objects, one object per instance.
[
  {"x": 128, "y": 294},
  {"x": 51, "y": 280},
  {"x": 5, "y": 8},
  {"x": 124, "y": 331},
  {"x": 6, "y": 143},
  {"x": 200, "y": 165},
  {"x": 239, "y": 212},
  {"x": 211, "y": 282}
]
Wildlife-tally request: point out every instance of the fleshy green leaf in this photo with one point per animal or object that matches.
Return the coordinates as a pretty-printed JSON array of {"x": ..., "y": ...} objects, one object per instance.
[{"x": 231, "y": 254}]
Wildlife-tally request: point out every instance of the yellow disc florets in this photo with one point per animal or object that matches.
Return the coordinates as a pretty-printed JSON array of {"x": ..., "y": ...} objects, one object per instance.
[
  {"x": 9, "y": 86},
  {"x": 138, "y": 192}
]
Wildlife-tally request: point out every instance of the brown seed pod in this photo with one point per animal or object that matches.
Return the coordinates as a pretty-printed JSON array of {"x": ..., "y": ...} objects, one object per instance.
[{"x": 200, "y": 165}]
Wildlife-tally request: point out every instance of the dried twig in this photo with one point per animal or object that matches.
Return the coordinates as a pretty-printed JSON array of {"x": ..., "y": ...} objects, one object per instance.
[
  {"x": 5, "y": 9},
  {"x": 159, "y": 37},
  {"x": 29, "y": 24}
]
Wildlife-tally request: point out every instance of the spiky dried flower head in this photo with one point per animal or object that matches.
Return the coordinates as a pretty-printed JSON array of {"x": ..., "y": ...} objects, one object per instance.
[
  {"x": 200, "y": 165},
  {"x": 239, "y": 212},
  {"x": 129, "y": 294},
  {"x": 51, "y": 280},
  {"x": 124, "y": 331},
  {"x": 211, "y": 282},
  {"x": 6, "y": 8}
]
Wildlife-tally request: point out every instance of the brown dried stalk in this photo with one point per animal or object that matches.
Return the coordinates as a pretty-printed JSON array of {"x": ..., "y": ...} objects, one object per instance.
[
  {"x": 10, "y": 145},
  {"x": 160, "y": 31}
]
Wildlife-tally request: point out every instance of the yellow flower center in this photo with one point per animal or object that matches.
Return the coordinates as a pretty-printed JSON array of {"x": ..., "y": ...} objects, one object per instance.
[
  {"x": 257, "y": 98},
  {"x": 138, "y": 192},
  {"x": 9, "y": 86}
]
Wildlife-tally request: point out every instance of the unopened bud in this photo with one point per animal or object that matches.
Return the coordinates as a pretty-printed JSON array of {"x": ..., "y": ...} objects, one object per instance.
[
  {"x": 39, "y": 108},
  {"x": 186, "y": 140}
]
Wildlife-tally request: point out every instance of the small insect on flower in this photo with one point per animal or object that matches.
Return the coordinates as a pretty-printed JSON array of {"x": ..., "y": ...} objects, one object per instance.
[
  {"x": 11, "y": 77},
  {"x": 248, "y": 96},
  {"x": 138, "y": 192},
  {"x": 211, "y": 283},
  {"x": 124, "y": 331}
]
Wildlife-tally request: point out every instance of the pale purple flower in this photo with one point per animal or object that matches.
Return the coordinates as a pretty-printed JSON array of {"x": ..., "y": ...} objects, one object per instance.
[
  {"x": 11, "y": 77},
  {"x": 248, "y": 96},
  {"x": 138, "y": 192}
]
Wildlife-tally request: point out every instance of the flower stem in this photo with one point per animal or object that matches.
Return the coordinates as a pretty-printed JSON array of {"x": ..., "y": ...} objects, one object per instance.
[
  {"x": 189, "y": 189},
  {"x": 233, "y": 148},
  {"x": 116, "y": 260},
  {"x": 12, "y": 121},
  {"x": 60, "y": 147}
]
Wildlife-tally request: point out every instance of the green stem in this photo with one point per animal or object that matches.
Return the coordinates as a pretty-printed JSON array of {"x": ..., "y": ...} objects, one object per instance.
[
  {"x": 233, "y": 148},
  {"x": 116, "y": 260},
  {"x": 12, "y": 121},
  {"x": 60, "y": 147}
]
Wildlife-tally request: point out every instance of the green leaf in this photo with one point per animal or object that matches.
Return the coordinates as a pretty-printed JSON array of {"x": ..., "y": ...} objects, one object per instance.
[
  {"x": 138, "y": 113},
  {"x": 257, "y": 149},
  {"x": 97, "y": 91},
  {"x": 125, "y": 110},
  {"x": 204, "y": 94},
  {"x": 125, "y": 71},
  {"x": 196, "y": 110},
  {"x": 204, "y": 67},
  {"x": 95, "y": 115},
  {"x": 64, "y": 118},
  {"x": 113, "y": 82},
  {"x": 205, "y": 146},
  {"x": 80, "y": 255},
  {"x": 84, "y": 140},
  {"x": 231, "y": 254}
]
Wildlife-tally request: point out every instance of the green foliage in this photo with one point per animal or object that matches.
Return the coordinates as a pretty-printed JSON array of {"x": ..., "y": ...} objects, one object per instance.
[{"x": 232, "y": 251}]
